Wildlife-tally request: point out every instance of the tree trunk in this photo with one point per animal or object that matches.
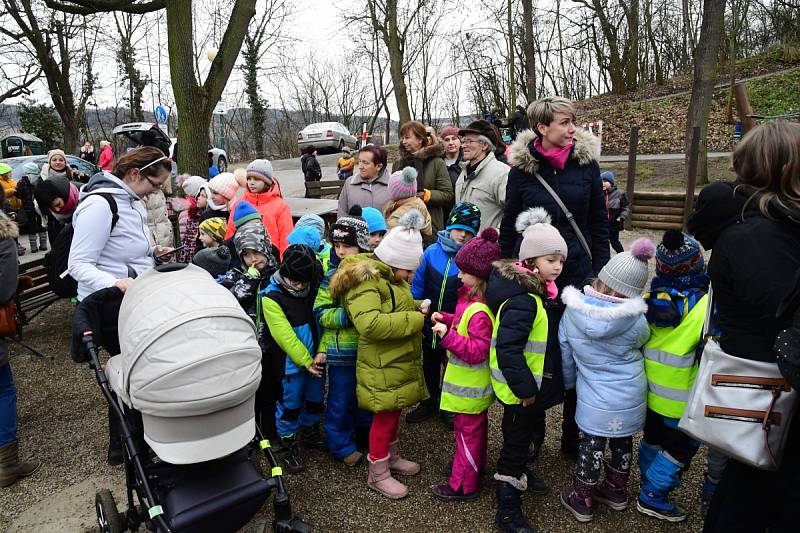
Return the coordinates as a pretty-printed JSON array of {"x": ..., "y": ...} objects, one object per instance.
[
  {"x": 512, "y": 85},
  {"x": 705, "y": 75},
  {"x": 395, "y": 50},
  {"x": 196, "y": 102},
  {"x": 632, "y": 48},
  {"x": 530, "y": 53},
  {"x": 257, "y": 116}
]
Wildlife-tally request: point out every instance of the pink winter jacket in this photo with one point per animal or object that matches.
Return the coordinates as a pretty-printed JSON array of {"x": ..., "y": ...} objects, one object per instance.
[{"x": 475, "y": 348}]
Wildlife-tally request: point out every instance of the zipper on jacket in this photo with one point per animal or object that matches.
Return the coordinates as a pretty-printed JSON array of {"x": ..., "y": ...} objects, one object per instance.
[
  {"x": 441, "y": 294},
  {"x": 336, "y": 341}
]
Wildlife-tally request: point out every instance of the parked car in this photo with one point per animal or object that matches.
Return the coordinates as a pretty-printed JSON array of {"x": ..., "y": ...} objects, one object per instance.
[
  {"x": 326, "y": 135},
  {"x": 218, "y": 155},
  {"x": 86, "y": 168}
]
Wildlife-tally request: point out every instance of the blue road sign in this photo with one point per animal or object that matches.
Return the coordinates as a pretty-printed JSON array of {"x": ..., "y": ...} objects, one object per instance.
[{"x": 161, "y": 114}]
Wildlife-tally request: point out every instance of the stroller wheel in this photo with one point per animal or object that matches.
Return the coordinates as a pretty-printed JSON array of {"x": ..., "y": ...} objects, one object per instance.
[{"x": 108, "y": 517}]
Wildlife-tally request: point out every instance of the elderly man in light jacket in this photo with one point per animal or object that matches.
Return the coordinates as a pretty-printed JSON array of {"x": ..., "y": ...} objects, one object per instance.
[{"x": 483, "y": 180}]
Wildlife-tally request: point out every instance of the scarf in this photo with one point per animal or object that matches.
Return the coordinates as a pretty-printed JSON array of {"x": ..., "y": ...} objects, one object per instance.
[
  {"x": 213, "y": 206},
  {"x": 278, "y": 280},
  {"x": 449, "y": 246},
  {"x": 557, "y": 157},
  {"x": 680, "y": 283},
  {"x": 71, "y": 203},
  {"x": 550, "y": 286}
]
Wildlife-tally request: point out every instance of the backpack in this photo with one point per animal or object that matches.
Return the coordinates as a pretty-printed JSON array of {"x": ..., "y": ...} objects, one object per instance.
[{"x": 56, "y": 261}]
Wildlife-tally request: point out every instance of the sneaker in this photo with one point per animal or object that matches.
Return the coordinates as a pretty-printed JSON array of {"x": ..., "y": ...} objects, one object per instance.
[
  {"x": 422, "y": 412},
  {"x": 578, "y": 508},
  {"x": 673, "y": 513},
  {"x": 354, "y": 459},
  {"x": 446, "y": 493}
]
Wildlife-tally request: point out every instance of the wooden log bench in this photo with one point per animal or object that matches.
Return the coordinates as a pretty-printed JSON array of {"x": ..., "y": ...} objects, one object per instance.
[
  {"x": 658, "y": 210},
  {"x": 35, "y": 299},
  {"x": 324, "y": 189}
]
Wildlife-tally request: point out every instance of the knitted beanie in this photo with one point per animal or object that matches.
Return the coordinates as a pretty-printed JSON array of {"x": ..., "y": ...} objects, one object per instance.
[
  {"x": 403, "y": 183},
  {"x": 243, "y": 213},
  {"x": 352, "y": 229},
  {"x": 215, "y": 228},
  {"x": 609, "y": 177},
  {"x": 449, "y": 130},
  {"x": 192, "y": 185},
  {"x": 402, "y": 246},
  {"x": 539, "y": 238},
  {"x": 374, "y": 218},
  {"x": 31, "y": 170},
  {"x": 215, "y": 260},
  {"x": 299, "y": 263},
  {"x": 225, "y": 184},
  {"x": 313, "y": 221},
  {"x": 252, "y": 237},
  {"x": 627, "y": 272},
  {"x": 55, "y": 152},
  {"x": 465, "y": 216},
  {"x": 305, "y": 235},
  {"x": 261, "y": 169},
  {"x": 5, "y": 168},
  {"x": 476, "y": 256},
  {"x": 678, "y": 254}
]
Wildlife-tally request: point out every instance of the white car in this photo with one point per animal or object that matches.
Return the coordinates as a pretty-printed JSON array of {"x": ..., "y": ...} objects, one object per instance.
[
  {"x": 218, "y": 155},
  {"x": 326, "y": 135}
]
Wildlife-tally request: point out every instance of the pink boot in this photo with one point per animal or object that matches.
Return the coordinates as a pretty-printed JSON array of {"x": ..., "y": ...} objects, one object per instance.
[
  {"x": 401, "y": 466},
  {"x": 380, "y": 479}
]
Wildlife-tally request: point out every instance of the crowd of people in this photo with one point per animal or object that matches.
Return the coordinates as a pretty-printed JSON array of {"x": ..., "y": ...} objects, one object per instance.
[{"x": 455, "y": 280}]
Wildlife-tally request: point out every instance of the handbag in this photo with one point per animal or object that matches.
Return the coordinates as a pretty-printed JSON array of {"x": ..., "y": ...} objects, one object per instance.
[
  {"x": 9, "y": 323},
  {"x": 740, "y": 407},
  {"x": 567, "y": 213}
]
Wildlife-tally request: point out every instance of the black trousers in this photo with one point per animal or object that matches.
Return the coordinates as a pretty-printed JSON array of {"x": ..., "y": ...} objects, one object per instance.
[
  {"x": 432, "y": 360},
  {"x": 269, "y": 391},
  {"x": 520, "y": 428},
  {"x": 613, "y": 236},
  {"x": 569, "y": 428},
  {"x": 679, "y": 445}
]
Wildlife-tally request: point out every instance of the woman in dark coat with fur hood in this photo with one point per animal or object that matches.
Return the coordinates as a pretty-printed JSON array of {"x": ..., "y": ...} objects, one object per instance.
[{"x": 420, "y": 150}]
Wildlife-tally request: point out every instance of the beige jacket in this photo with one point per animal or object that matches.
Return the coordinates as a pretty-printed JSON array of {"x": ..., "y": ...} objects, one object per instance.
[
  {"x": 397, "y": 208},
  {"x": 487, "y": 190}
]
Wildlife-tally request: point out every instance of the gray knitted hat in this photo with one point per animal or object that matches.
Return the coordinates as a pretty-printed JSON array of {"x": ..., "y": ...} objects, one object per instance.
[
  {"x": 627, "y": 272},
  {"x": 215, "y": 261},
  {"x": 252, "y": 237}
]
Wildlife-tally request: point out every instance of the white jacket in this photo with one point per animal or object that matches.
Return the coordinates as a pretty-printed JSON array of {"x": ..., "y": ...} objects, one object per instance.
[
  {"x": 98, "y": 257},
  {"x": 486, "y": 189},
  {"x": 157, "y": 219}
]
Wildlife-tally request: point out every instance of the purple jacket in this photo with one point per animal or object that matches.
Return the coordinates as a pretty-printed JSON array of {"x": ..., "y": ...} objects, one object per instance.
[{"x": 473, "y": 349}]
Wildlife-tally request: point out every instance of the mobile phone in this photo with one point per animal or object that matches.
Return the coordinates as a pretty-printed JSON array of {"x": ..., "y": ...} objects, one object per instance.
[{"x": 165, "y": 254}]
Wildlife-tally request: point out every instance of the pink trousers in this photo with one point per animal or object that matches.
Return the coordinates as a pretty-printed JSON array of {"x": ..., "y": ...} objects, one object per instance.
[{"x": 471, "y": 433}]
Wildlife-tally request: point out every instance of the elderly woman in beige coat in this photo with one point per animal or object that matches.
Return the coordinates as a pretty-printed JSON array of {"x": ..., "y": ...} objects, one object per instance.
[{"x": 483, "y": 181}]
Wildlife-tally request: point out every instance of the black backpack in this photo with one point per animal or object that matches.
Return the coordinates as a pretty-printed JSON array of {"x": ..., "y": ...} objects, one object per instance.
[{"x": 56, "y": 261}]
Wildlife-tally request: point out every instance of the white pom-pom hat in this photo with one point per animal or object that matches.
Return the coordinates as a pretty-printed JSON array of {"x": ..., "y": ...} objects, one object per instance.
[
  {"x": 402, "y": 246},
  {"x": 539, "y": 237}
]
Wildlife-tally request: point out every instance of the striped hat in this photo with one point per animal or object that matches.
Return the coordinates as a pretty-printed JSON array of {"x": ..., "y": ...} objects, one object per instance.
[
  {"x": 215, "y": 228},
  {"x": 403, "y": 183}
]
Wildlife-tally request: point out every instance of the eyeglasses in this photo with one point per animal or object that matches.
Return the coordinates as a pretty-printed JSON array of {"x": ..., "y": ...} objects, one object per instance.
[
  {"x": 470, "y": 141},
  {"x": 154, "y": 184}
]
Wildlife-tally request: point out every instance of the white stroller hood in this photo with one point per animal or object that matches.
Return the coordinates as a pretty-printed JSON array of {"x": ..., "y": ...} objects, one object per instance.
[{"x": 190, "y": 362}]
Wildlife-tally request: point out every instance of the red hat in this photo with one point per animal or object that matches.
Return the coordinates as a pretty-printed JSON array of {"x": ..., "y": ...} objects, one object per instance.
[{"x": 476, "y": 257}]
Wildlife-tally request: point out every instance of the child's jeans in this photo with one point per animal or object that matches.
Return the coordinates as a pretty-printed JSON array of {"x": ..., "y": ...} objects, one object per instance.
[
  {"x": 301, "y": 405},
  {"x": 591, "y": 452},
  {"x": 384, "y": 431},
  {"x": 8, "y": 405},
  {"x": 472, "y": 434},
  {"x": 342, "y": 415}
]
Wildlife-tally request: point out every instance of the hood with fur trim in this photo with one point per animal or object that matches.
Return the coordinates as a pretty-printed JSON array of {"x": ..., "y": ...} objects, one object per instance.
[
  {"x": 355, "y": 270},
  {"x": 506, "y": 280},
  {"x": 8, "y": 228},
  {"x": 585, "y": 150},
  {"x": 425, "y": 153},
  {"x": 601, "y": 319}
]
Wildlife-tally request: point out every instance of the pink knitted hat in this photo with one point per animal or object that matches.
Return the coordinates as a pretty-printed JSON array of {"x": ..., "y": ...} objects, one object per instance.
[
  {"x": 225, "y": 184},
  {"x": 476, "y": 257},
  {"x": 403, "y": 183}
]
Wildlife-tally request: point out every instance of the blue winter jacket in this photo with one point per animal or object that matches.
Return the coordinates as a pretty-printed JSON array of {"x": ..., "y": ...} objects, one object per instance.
[
  {"x": 437, "y": 279},
  {"x": 603, "y": 362}
]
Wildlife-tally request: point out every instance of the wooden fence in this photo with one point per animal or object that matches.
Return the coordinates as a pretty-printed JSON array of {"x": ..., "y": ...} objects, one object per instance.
[{"x": 658, "y": 210}]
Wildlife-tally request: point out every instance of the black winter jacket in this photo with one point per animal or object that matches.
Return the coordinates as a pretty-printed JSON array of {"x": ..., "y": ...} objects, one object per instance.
[
  {"x": 311, "y": 168},
  {"x": 517, "y": 122},
  {"x": 454, "y": 170},
  {"x": 753, "y": 265},
  {"x": 579, "y": 187},
  {"x": 507, "y": 284}
]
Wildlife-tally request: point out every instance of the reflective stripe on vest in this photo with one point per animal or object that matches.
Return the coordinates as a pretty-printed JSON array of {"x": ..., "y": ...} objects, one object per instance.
[
  {"x": 533, "y": 352},
  {"x": 669, "y": 362},
  {"x": 467, "y": 388}
]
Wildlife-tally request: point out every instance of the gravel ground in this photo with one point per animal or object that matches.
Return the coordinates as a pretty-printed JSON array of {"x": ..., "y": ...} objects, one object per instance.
[{"x": 62, "y": 420}]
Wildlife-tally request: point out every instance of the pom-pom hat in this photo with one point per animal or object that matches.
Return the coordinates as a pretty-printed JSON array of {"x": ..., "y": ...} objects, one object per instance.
[
  {"x": 225, "y": 184},
  {"x": 476, "y": 256},
  {"x": 403, "y": 183},
  {"x": 678, "y": 254},
  {"x": 627, "y": 272},
  {"x": 215, "y": 261},
  {"x": 539, "y": 237},
  {"x": 402, "y": 246},
  {"x": 352, "y": 230}
]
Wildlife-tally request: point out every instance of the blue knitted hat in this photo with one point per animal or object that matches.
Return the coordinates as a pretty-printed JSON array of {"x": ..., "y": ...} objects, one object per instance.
[
  {"x": 678, "y": 254},
  {"x": 313, "y": 221},
  {"x": 305, "y": 235},
  {"x": 609, "y": 177},
  {"x": 374, "y": 218},
  {"x": 465, "y": 216},
  {"x": 244, "y": 213}
]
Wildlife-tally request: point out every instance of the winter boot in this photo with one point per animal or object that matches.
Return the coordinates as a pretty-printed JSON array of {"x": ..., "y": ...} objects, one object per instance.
[
  {"x": 11, "y": 469},
  {"x": 380, "y": 479},
  {"x": 646, "y": 455},
  {"x": 425, "y": 410},
  {"x": 33, "y": 243},
  {"x": 663, "y": 475},
  {"x": 509, "y": 517},
  {"x": 578, "y": 499},
  {"x": 288, "y": 455},
  {"x": 536, "y": 485},
  {"x": 354, "y": 459},
  {"x": 709, "y": 487},
  {"x": 20, "y": 250},
  {"x": 312, "y": 437},
  {"x": 613, "y": 490},
  {"x": 43, "y": 241},
  {"x": 401, "y": 466},
  {"x": 446, "y": 493}
]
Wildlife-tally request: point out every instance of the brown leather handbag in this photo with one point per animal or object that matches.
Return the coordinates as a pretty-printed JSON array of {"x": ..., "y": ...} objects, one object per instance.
[{"x": 9, "y": 320}]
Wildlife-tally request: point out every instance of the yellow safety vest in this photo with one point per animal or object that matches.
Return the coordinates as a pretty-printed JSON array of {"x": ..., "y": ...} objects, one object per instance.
[
  {"x": 467, "y": 388},
  {"x": 669, "y": 362},
  {"x": 533, "y": 352}
]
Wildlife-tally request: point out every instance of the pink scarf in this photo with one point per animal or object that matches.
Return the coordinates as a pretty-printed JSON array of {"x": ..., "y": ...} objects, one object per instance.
[
  {"x": 557, "y": 157},
  {"x": 550, "y": 286},
  {"x": 71, "y": 203}
]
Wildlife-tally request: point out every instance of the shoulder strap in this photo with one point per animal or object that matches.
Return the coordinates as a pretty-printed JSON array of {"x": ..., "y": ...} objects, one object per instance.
[
  {"x": 708, "y": 323},
  {"x": 567, "y": 213},
  {"x": 112, "y": 204}
]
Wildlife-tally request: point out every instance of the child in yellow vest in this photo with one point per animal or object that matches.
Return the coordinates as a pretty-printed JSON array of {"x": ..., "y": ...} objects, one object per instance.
[{"x": 467, "y": 387}]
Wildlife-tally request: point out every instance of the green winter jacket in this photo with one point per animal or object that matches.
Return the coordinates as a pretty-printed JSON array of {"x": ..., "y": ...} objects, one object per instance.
[
  {"x": 389, "y": 364},
  {"x": 339, "y": 339}
]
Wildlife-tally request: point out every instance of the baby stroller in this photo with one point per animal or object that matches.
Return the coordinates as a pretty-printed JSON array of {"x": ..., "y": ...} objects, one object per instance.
[{"x": 186, "y": 375}]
